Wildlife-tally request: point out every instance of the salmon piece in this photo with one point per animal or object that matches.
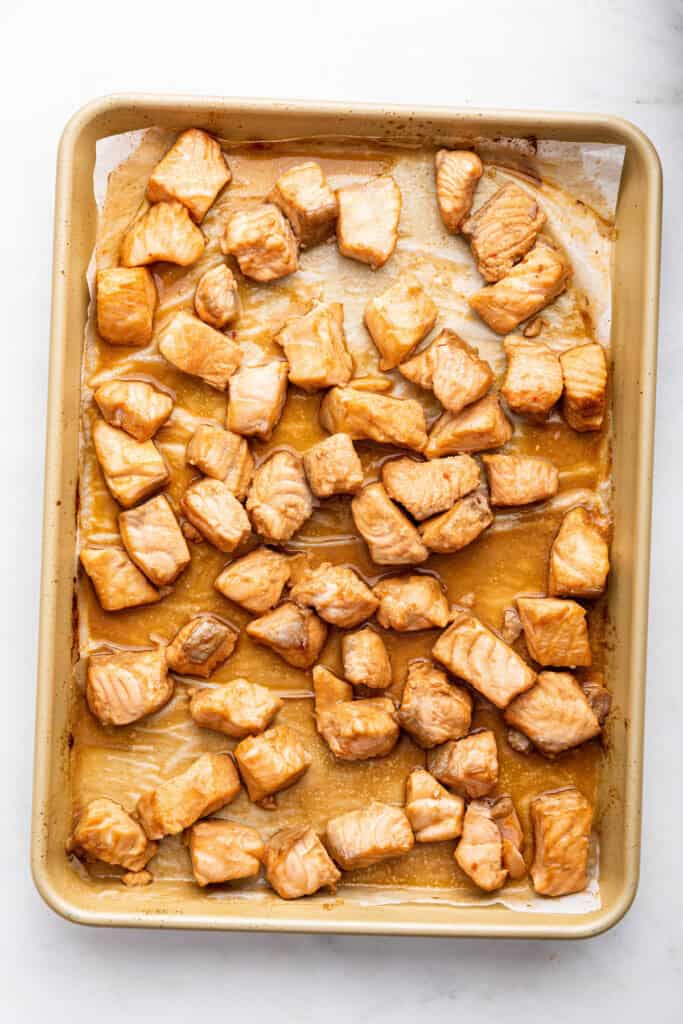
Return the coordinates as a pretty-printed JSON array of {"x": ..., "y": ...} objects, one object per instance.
[
  {"x": 271, "y": 761},
  {"x": 297, "y": 863},
  {"x": 432, "y": 710},
  {"x": 503, "y": 230},
  {"x": 132, "y": 470},
  {"x": 201, "y": 645},
  {"x": 257, "y": 398},
  {"x": 237, "y": 709},
  {"x": 472, "y": 652},
  {"x": 531, "y": 285},
  {"x": 579, "y": 557},
  {"x": 458, "y": 527},
  {"x": 337, "y": 593},
  {"x": 164, "y": 233},
  {"x": 374, "y": 417},
  {"x": 369, "y": 835},
  {"x": 598, "y": 696},
  {"x": 409, "y": 603},
  {"x": 584, "y": 372},
  {"x": 104, "y": 831},
  {"x": 207, "y": 785},
  {"x": 135, "y": 879},
  {"x": 533, "y": 379},
  {"x": 367, "y": 225},
  {"x": 520, "y": 479},
  {"x": 391, "y": 537},
  {"x": 195, "y": 348},
  {"x": 554, "y": 714},
  {"x": 117, "y": 581},
  {"x": 192, "y": 172},
  {"x": 262, "y": 242},
  {"x": 366, "y": 659},
  {"x": 296, "y": 634},
  {"x": 457, "y": 174},
  {"x": 279, "y": 500},
  {"x": 125, "y": 687},
  {"x": 212, "y": 508},
  {"x": 126, "y": 300},
  {"x": 562, "y": 822},
  {"x": 307, "y": 201},
  {"x": 133, "y": 406},
  {"x": 315, "y": 347},
  {"x": 354, "y": 730},
  {"x": 332, "y": 467},
  {"x": 468, "y": 765},
  {"x": 555, "y": 631},
  {"x": 434, "y": 814},
  {"x": 153, "y": 539},
  {"x": 224, "y": 851},
  {"x": 505, "y": 816},
  {"x": 216, "y": 299},
  {"x": 220, "y": 454},
  {"x": 425, "y": 488},
  {"x": 477, "y": 428},
  {"x": 399, "y": 319},
  {"x": 256, "y": 580},
  {"x": 480, "y": 851},
  {"x": 451, "y": 369}
]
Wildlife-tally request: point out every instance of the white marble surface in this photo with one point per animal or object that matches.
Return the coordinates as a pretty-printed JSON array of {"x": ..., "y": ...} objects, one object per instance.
[{"x": 617, "y": 57}]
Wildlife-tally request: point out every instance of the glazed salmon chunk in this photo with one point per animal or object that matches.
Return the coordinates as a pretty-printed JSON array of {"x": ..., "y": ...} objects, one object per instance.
[
  {"x": 512, "y": 836},
  {"x": 354, "y": 730},
  {"x": 503, "y": 230},
  {"x": 555, "y": 714},
  {"x": 257, "y": 397},
  {"x": 195, "y": 348},
  {"x": 457, "y": 174},
  {"x": 262, "y": 242},
  {"x": 369, "y": 835},
  {"x": 105, "y": 831},
  {"x": 468, "y": 765},
  {"x": 117, "y": 580},
  {"x": 391, "y": 537},
  {"x": 303, "y": 194},
  {"x": 296, "y": 634},
  {"x": 409, "y": 603},
  {"x": 220, "y": 454},
  {"x": 451, "y": 369},
  {"x": 471, "y": 651},
  {"x": 555, "y": 631},
  {"x": 193, "y": 172},
  {"x": 399, "y": 319},
  {"x": 584, "y": 372},
  {"x": 520, "y": 479},
  {"x": 531, "y": 285},
  {"x": 432, "y": 710},
  {"x": 480, "y": 850},
  {"x": 533, "y": 379},
  {"x": 216, "y": 299},
  {"x": 479, "y": 427},
  {"x": 332, "y": 467},
  {"x": 370, "y": 416},
  {"x": 125, "y": 687},
  {"x": 279, "y": 500},
  {"x": 562, "y": 822},
  {"x": 256, "y": 580},
  {"x": 133, "y": 406},
  {"x": 208, "y": 784},
  {"x": 337, "y": 593},
  {"x": 458, "y": 527},
  {"x": 165, "y": 232},
  {"x": 434, "y": 814},
  {"x": 132, "y": 469},
  {"x": 366, "y": 659},
  {"x": 367, "y": 225},
  {"x": 271, "y": 761},
  {"x": 224, "y": 851},
  {"x": 297, "y": 864},
  {"x": 315, "y": 347},
  {"x": 126, "y": 300},
  {"x": 238, "y": 708},
  {"x": 579, "y": 557},
  {"x": 153, "y": 539},
  {"x": 213, "y": 510},
  {"x": 425, "y": 488},
  {"x": 201, "y": 645}
]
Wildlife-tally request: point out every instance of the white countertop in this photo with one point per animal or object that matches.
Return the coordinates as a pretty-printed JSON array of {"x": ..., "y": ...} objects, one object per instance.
[{"x": 621, "y": 58}]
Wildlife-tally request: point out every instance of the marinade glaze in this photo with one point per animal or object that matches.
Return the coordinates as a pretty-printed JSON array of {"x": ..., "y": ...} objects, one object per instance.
[{"x": 508, "y": 560}]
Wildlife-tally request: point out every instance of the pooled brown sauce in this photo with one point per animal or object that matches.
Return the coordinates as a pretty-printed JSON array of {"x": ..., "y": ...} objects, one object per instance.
[{"x": 508, "y": 560}]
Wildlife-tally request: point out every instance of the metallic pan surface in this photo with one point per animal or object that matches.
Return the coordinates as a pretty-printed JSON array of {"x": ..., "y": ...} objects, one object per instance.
[{"x": 634, "y": 345}]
